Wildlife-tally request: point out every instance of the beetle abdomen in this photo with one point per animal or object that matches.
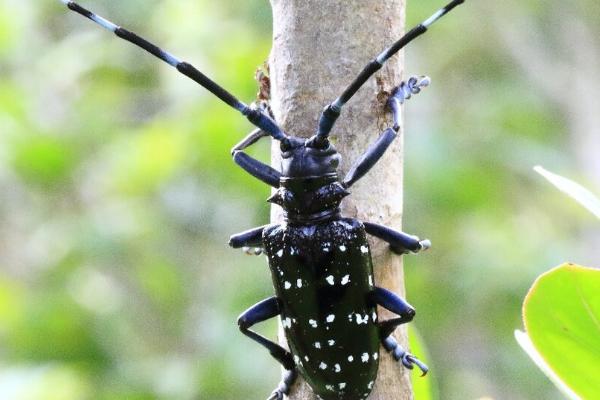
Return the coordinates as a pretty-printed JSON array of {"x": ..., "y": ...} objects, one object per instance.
[{"x": 323, "y": 274}]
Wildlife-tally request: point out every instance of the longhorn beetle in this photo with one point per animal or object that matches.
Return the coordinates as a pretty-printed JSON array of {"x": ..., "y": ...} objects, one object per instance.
[{"x": 320, "y": 261}]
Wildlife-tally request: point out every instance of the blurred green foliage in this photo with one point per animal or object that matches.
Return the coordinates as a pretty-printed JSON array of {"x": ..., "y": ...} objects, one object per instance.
[{"x": 118, "y": 194}]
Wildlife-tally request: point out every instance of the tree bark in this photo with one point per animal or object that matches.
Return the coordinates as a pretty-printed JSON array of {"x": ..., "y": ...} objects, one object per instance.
[{"x": 318, "y": 48}]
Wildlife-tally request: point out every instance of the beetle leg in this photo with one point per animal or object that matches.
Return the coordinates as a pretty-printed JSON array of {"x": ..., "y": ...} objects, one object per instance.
[
  {"x": 400, "y": 242},
  {"x": 370, "y": 157},
  {"x": 257, "y": 169},
  {"x": 249, "y": 140},
  {"x": 260, "y": 312},
  {"x": 394, "y": 303},
  {"x": 250, "y": 241}
]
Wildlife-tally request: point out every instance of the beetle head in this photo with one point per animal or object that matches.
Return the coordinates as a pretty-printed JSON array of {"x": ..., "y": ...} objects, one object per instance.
[{"x": 308, "y": 157}]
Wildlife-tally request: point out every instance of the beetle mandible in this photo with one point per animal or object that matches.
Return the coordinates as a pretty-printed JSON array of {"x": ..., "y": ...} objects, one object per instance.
[{"x": 320, "y": 261}]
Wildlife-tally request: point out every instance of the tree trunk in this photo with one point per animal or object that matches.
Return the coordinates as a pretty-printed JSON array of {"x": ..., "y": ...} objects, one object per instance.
[{"x": 318, "y": 48}]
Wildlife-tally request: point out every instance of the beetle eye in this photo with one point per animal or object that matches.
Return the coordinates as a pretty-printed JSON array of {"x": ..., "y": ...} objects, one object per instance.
[
  {"x": 285, "y": 145},
  {"x": 318, "y": 143}
]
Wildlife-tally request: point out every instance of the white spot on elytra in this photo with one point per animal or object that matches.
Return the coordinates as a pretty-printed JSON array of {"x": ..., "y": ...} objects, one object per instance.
[
  {"x": 306, "y": 358},
  {"x": 370, "y": 385},
  {"x": 350, "y": 358},
  {"x": 318, "y": 345},
  {"x": 287, "y": 285},
  {"x": 293, "y": 251},
  {"x": 280, "y": 253},
  {"x": 323, "y": 365},
  {"x": 371, "y": 280},
  {"x": 330, "y": 388},
  {"x": 345, "y": 279},
  {"x": 330, "y": 318},
  {"x": 350, "y": 317},
  {"x": 342, "y": 248},
  {"x": 374, "y": 316},
  {"x": 375, "y": 356},
  {"x": 312, "y": 323},
  {"x": 331, "y": 342},
  {"x": 299, "y": 283},
  {"x": 365, "y": 357},
  {"x": 330, "y": 279},
  {"x": 296, "y": 359},
  {"x": 342, "y": 385},
  {"x": 362, "y": 320},
  {"x": 364, "y": 249},
  {"x": 337, "y": 368},
  {"x": 287, "y": 323}
]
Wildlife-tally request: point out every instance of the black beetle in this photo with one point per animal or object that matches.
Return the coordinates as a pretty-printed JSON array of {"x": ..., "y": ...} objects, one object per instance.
[
  {"x": 321, "y": 269},
  {"x": 320, "y": 262}
]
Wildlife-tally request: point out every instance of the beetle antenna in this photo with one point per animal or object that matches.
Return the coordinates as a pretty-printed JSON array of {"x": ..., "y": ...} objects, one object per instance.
[
  {"x": 255, "y": 116},
  {"x": 333, "y": 110}
]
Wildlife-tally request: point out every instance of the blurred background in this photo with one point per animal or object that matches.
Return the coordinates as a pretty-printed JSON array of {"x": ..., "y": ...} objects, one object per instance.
[{"x": 118, "y": 195}]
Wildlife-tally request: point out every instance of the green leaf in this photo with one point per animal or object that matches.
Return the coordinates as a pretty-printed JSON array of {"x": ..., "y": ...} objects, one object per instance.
[
  {"x": 562, "y": 318},
  {"x": 573, "y": 189},
  {"x": 531, "y": 351},
  {"x": 423, "y": 386}
]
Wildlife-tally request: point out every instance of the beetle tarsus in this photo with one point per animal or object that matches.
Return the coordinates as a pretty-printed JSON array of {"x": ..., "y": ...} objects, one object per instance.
[
  {"x": 408, "y": 360},
  {"x": 252, "y": 251},
  {"x": 414, "y": 360},
  {"x": 289, "y": 377},
  {"x": 425, "y": 245},
  {"x": 276, "y": 395},
  {"x": 422, "y": 245}
]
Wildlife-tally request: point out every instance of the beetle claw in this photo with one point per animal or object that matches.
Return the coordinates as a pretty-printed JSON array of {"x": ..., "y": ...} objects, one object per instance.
[{"x": 409, "y": 361}]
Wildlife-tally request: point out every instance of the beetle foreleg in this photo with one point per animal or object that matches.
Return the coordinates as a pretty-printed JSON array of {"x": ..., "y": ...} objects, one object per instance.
[
  {"x": 257, "y": 169},
  {"x": 249, "y": 140},
  {"x": 370, "y": 157},
  {"x": 256, "y": 134},
  {"x": 400, "y": 242}
]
